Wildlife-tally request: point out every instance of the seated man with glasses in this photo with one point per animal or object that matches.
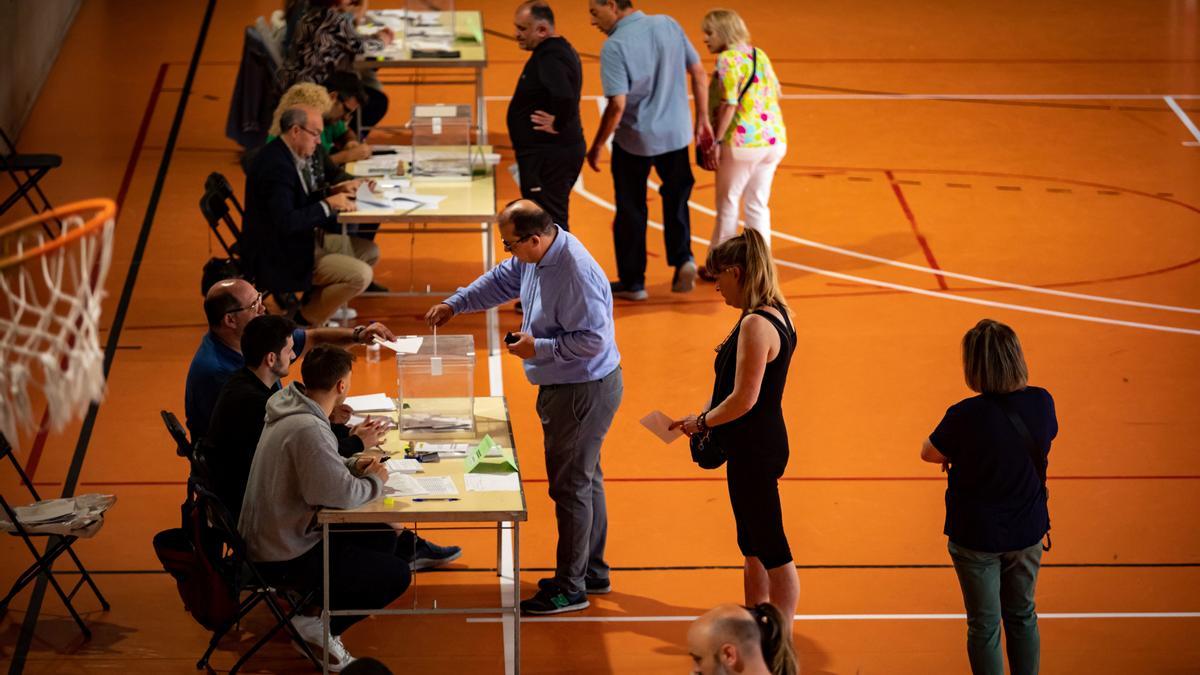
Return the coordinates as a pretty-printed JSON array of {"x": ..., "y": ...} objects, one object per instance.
[
  {"x": 229, "y": 306},
  {"x": 284, "y": 242}
]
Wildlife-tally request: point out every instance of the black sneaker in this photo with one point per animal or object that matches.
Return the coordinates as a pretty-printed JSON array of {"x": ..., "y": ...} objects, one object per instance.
[
  {"x": 554, "y": 600},
  {"x": 591, "y": 586},
  {"x": 628, "y": 292},
  {"x": 429, "y": 555}
]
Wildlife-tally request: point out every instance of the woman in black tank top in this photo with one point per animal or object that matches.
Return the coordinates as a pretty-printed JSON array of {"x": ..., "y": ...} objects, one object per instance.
[{"x": 746, "y": 415}]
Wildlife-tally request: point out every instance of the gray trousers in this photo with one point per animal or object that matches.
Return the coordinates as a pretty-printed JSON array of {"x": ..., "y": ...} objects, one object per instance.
[
  {"x": 575, "y": 418},
  {"x": 999, "y": 587}
]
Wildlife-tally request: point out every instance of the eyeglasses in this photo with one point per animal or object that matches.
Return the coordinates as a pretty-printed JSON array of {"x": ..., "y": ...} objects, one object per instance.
[
  {"x": 315, "y": 134},
  {"x": 258, "y": 302},
  {"x": 347, "y": 111},
  {"x": 508, "y": 245}
]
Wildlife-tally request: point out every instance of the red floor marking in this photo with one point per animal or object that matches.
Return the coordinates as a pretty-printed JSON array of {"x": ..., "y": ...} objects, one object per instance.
[
  {"x": 912, "y": 221},
  {"x": 39, "y": 444}
]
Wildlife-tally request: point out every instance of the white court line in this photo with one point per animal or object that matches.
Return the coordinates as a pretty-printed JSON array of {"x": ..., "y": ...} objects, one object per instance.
[
  {"x": 579, "y": 188},
  {"x": 954, "y": 275},
  {"x": 846, "y": 617},
  {"x": 948, "y": 97},
  {"x": 1183, "y": 117}
]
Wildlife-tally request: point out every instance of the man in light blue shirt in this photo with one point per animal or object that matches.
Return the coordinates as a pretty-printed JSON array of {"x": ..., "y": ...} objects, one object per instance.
[
  {"x": 641, "y": 66},
  {"x": 570, "y": 351}
]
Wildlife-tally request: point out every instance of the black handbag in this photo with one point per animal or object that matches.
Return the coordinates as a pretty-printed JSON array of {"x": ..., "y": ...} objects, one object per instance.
[{"x": 705, "y": 451}]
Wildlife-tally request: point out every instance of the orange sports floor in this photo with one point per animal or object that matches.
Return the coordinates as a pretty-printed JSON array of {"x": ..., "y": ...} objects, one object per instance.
[{"x": 1053, "y": 161}]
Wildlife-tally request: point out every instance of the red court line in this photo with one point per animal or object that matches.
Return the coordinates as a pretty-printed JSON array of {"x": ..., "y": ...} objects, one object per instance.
[
  {"x": 912, "y": 221},
  {"x": 39, "y": 443}
]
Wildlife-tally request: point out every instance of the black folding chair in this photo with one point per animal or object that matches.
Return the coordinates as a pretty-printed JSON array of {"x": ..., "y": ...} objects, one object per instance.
[
  {"x": 26, "y": 171},
  {"x": 217, "y": 206},
  {"x": 43, "y": 563},
  {"x": 249, "y": 581}
]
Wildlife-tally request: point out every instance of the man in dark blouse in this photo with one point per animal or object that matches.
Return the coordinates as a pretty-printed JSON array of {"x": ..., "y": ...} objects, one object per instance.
[{"x": 543, "y": 115}]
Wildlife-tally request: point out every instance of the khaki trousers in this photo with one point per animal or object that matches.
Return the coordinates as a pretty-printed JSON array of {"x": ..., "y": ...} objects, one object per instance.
[{"x": 343, "y": 270}]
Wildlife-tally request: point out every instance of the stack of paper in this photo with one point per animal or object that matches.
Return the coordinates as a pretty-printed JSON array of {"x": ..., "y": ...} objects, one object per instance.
[
  {"x": 490, "y": 482},
  {"x": 403, "y": 485},
  {"x": 404, "y": 465},
  {"x": 403, "y": 345},
  {"x": 371, "y": 403}
]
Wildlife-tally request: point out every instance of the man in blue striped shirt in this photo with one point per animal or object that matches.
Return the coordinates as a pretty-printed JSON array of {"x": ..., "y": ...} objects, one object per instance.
[{"x": 569, "y": 350}]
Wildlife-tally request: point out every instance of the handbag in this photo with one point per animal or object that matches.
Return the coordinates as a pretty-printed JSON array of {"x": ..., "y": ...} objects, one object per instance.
[
  {"x": 1035, "y": 454},
  {"x": 706, "y": 152}
]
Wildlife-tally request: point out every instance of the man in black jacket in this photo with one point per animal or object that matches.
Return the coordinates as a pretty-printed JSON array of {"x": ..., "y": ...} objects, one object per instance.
[
  {"x": 238, "y": 418},
  {"x": 543, "y": 115},
  {"x": 285, "y": 215}
]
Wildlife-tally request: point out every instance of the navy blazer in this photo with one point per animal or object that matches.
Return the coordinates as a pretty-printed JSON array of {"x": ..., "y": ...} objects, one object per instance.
[{"x": 281, "y": 221}]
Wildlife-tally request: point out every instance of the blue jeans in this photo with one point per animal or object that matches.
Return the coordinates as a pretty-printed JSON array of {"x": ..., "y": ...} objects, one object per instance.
[{"x": 995, "y": 587}]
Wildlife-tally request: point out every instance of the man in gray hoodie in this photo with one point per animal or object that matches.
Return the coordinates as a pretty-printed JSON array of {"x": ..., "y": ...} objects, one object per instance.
[{"x": 295, "y": 472}]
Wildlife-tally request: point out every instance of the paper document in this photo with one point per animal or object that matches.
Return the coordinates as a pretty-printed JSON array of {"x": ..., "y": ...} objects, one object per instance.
[
  {"x": 403, "y": 345},
  {"x": 403, "y": 485},
  {"x": 371, "y": 403},
  {"x": 403, "y": 465},
  {"x": 657, "y": 422},
  {"x": 437, "y": 485},
  {"x": 492, "y": 482},
  {"x": 475, "y": 460},
  {"x": 412, "y": 420}
]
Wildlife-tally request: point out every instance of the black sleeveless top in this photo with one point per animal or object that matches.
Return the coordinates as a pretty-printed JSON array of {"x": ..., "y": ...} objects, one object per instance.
[{"x": 760, "y": 432}]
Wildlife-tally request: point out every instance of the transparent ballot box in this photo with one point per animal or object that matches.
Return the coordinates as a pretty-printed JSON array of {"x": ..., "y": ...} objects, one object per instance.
[
  {"x": 441, "y": 142},
  {"x": 436, "y": 387}
]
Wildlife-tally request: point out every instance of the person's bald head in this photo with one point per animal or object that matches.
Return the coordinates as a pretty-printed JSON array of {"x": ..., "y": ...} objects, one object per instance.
[
  {"x": 229, "y": 305},
  {"x": 526, "y": 230},
  {"x": 726, "y": 640}
]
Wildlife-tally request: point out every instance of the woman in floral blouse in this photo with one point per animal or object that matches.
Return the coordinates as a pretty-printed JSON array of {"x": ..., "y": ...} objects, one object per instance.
[{"x": 743, "y": 103}]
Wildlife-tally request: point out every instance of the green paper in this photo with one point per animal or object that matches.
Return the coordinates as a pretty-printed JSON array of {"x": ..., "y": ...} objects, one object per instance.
[{"x": 477, "y": 460}]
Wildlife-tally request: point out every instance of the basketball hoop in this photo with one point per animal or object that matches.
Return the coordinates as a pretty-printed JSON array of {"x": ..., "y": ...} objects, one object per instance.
[{"x": 52, "y": 271}]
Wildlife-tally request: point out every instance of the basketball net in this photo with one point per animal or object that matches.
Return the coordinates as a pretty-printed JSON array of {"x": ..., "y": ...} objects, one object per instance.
[{"x": 52, "y": 271}]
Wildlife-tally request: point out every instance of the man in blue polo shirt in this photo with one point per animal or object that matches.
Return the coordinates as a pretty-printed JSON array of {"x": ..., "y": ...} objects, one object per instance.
[
  {"x": 569, "y": 350},
  {"x": 641, "y": 66},
  {"x": 229, "y": 305}
]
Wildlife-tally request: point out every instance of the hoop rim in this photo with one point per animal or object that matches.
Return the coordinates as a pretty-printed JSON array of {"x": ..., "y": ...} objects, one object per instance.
[{"x": 106, "y": 210}]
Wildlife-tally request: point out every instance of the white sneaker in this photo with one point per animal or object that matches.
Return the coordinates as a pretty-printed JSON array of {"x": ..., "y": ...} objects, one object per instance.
[
  {"x": 344, "y": 313},
  {"x": 311, "y": 630}
]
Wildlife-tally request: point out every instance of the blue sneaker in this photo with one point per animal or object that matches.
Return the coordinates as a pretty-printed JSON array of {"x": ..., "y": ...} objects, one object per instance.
[{"x": 429, "y": 555}]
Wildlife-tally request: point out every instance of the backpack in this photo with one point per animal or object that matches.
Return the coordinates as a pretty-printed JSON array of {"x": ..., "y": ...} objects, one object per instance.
[{"x": 206, "y": 587}]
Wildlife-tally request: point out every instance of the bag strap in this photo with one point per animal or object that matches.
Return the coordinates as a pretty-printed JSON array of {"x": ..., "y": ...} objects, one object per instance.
[
  {"x": 1031, "y": 446},
  {"x": 753, "y": 73}
]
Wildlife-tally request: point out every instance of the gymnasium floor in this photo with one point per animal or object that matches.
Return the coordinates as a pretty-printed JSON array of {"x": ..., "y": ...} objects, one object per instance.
[{"x": 1049, "y": 160}]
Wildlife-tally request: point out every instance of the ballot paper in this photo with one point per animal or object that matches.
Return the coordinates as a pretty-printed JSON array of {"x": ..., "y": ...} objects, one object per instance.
[
  {"x": 415, "y": 420},
  {"x": 437, "y": 485},
  {"x": 403, "y": 345},
  {"x": 658, "y": 422},
  {"x": 403, "y": 485},
  {"x": 371, "y": 403},
  {"x": 444, "y": 450},
  {"x": 391, "y": 199},
  {"x": 402, "y": 465},
  {"x": 491, "y": 482}
]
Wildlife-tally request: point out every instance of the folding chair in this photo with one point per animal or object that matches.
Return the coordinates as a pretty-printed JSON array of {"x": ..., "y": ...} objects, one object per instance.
[
  {"x": 26, "y": 171},
  {"x": 216, "y": 205},
  {"x": 248, "y": 580},
  {"x": 44, "y": 561}
]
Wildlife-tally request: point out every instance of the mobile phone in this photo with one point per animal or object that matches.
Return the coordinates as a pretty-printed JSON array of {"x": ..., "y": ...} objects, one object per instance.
[{"x": 510, "y": 339}]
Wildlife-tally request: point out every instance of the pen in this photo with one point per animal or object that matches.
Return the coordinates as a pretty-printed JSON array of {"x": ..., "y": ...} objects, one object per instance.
[{"x": 435, "y": 499}]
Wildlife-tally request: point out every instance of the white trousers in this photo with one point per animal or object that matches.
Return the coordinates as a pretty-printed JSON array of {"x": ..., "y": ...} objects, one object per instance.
[{"x": 745, "y": 172}]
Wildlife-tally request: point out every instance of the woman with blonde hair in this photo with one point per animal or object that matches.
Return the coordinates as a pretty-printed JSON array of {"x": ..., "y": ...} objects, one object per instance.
[
  {"x": 747, "y": 123},
  {"x": 994, "y": 447},
  {"x": 745, "y": 417}
]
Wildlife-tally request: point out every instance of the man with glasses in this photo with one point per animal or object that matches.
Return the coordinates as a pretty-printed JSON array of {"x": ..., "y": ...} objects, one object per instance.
[
  {"x": 229, "y": 306},
  {"x": 292, "y": 242},
  {"x": 348, "y": 94},
  {"x": 569, "y": 350}
]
